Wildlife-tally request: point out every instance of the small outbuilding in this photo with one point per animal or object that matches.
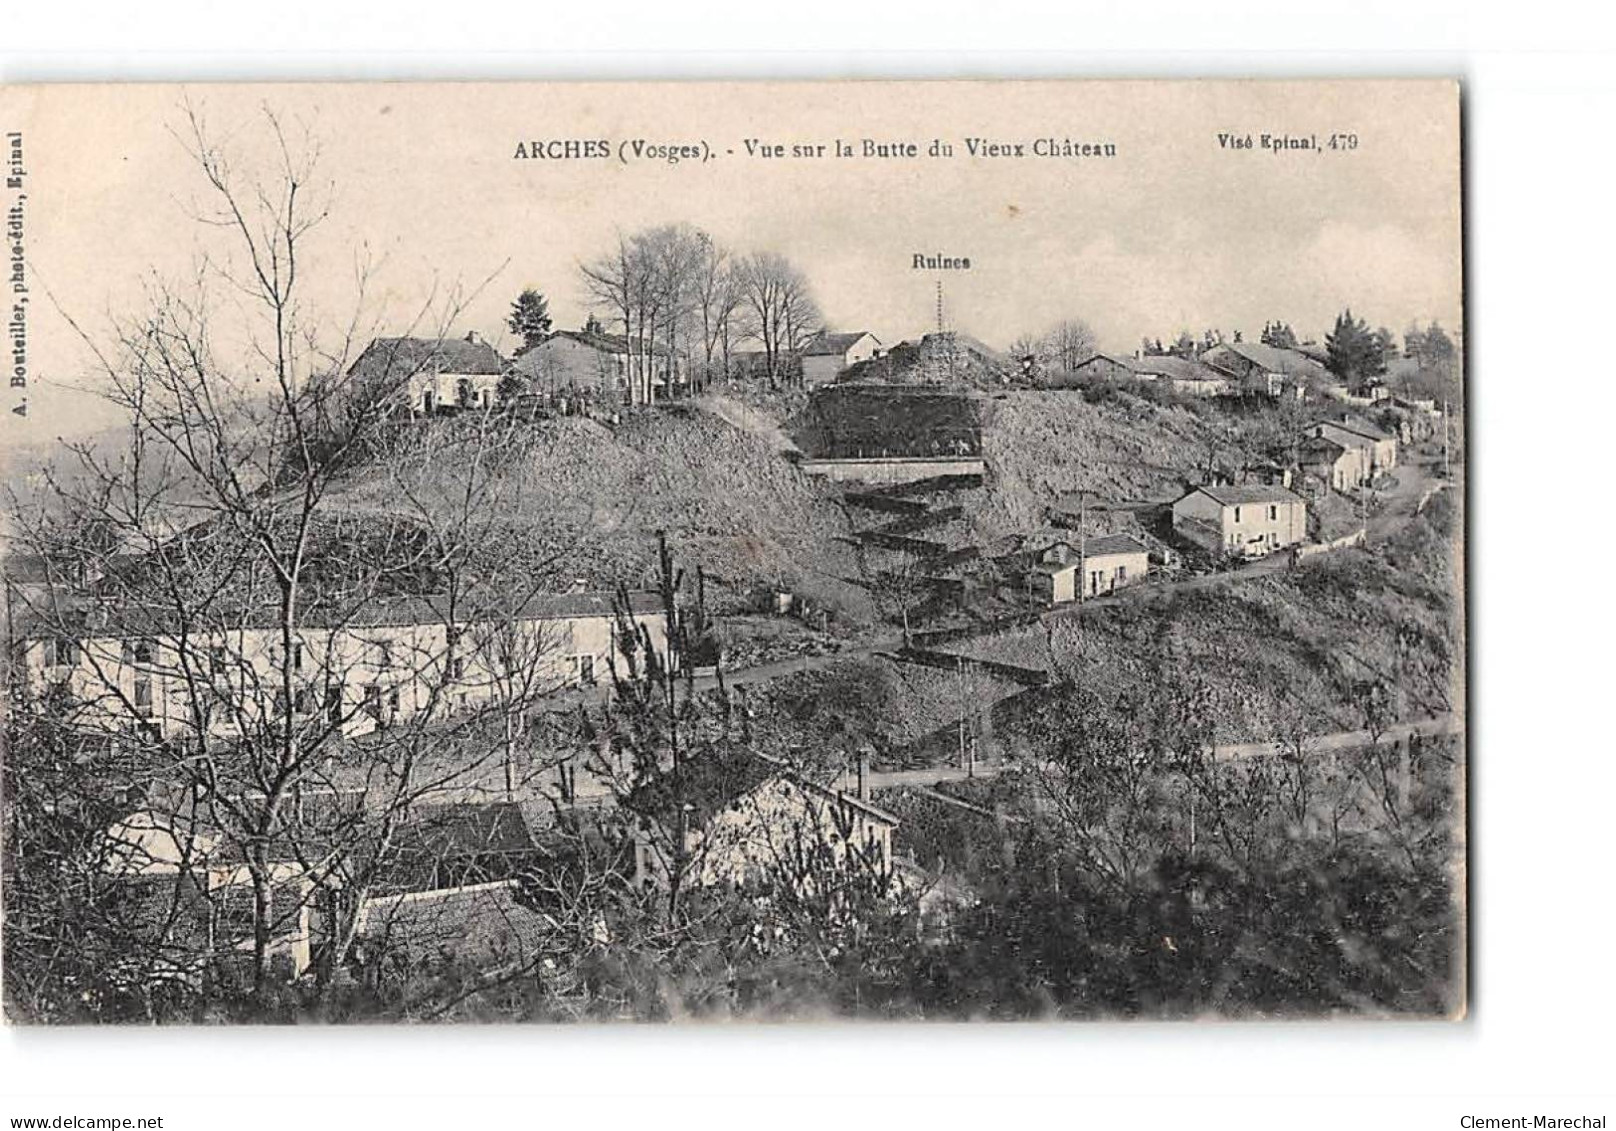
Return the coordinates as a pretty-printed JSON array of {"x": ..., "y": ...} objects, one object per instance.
[{"x": 1097, "y": 566}]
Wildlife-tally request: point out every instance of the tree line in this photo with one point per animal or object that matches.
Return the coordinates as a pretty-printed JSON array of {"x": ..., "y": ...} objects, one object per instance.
[{"x": 675, "y": 292}]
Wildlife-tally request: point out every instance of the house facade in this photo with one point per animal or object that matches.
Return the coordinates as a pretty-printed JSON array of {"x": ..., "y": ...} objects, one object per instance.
[
  {"x": 1349, "y": 431},
  {"x": 607, "y": 366},
  {"x": 438, "y": 853},
  {"x": 828, "y": 354},
  {"x": 1266, "y": 370},
  {"x": 1248, "y": 521},
  {"x": 385, "y": 661},
  {"x": 1335, "y": 466},
  {"x": 429, "y": 375},
  {"x": 1184, "y": 375},
  {"x": 786, "y": 827},
  {"x": 1100, "y": 565}
]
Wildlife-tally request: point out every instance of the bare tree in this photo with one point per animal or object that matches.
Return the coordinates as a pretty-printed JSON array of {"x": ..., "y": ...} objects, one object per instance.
[
  {"x": 719, "y": 291},
  {"x": 1070, "y": 343},
  {"x": 262, "y": 669},
  {"x": 652, "y": 283},
  {"x": 783, "y": 310}
]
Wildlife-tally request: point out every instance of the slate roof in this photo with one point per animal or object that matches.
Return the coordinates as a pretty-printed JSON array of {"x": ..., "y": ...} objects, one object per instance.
[
  {"x": 453, "y": 844},
  {"x": 614, "y": 344},
  {"x": 1322, "y": 446},
  {"x": 1104, "y": 545},
  {"x": 1249, "y": 493},
  {"x": 1356, "y": 426},
  {"x": 317, "y": 823},
  {"x": 1108, "y": 544},
  {"x": 1274, "y": 360},
  {"x": 834, "y": 345},
  {"x": 1165, "y": 365},
  {"x": 401, "y": 357},
  {"x": 489, "y": 924},
  {"x": 398, "y": 611},
  {"x": 83, "y": 615}
]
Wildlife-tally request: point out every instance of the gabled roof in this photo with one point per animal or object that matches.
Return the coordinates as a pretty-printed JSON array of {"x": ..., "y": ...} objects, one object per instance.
[
  {"x": 316, "y": 825},
  {"x": 466, "y": 828},
  {"x": 1060, "y": 556},
  {"x": 1163, "y": 365},
  {"x": 492, "y": 836},
  {"x": 88, "y": 618},
  {"x": 614, "y": 344},
  {"x": 1322, "y": 445},
  {"x": 836, "y": 345},
  {"x": 1356, "y": 426},
  {"x": 402, "y": 357},
  {"x": 1247, "y": 494},
  {"x": 1108, "y": 544},
  {"x": 1272, "y": 359}
]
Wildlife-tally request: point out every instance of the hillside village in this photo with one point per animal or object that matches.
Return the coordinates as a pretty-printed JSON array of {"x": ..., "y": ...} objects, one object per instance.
[{"x": 523, "y": 650}]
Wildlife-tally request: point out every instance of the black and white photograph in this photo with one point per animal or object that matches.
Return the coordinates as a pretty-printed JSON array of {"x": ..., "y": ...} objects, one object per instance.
[{"x": 541, "y": 553}]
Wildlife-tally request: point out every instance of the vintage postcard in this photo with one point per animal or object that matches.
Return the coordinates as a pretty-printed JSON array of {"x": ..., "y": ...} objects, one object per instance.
[{"x": 678, "y": 551}]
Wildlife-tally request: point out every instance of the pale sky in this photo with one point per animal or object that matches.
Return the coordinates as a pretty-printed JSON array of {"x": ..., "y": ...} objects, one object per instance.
[{"x": 1173, "y": 232}]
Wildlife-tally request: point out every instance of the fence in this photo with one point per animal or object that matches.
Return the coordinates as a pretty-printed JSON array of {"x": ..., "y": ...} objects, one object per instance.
[{"x": 1356, "y": 538}]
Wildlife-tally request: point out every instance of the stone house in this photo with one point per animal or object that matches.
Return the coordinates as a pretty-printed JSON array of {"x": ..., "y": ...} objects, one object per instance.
[
  {"x": 381, "y": 662},
  {"x": 608, "y": 367},
  {"x": 1098, "y": 565},
  {"x": 1335, "y": 466},
  {"x": 177, "y": 857},
  {"x": 828, "y": 354},
  {"x": 1247, "y": 521},
  {"x": 752, "y": 821},
  {"x": 1184, "y": 375},
  {"x": 1379, "y": 445},
  {"x": 1266, "y": 370},
  {"x": 426, "y": 376}
]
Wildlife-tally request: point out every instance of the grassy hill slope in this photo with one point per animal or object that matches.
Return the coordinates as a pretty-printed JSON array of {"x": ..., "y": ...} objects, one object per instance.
[
  {"x": 583, "y": 500},
  {"x": 1041, "y": 445}
]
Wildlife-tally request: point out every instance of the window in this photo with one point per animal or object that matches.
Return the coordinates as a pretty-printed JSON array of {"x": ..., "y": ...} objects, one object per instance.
[
  {"x": 586, "y": 669},
  {"x": 61, "y": 653},
  {"x": 143, "y": 697},
  {"x": 373, "y": 701},
  {"x": 216, "y": 661},
  {"x": 1273, "y": 513},
  {"x": 384, "y": 655},
  {"x": 297, "y": 656},
  {"x": 1237, "y": 514},
  {"x": 1122, "y": 574},
  {"x": 333, "y": 703},
  {"x": 138, "y": 651}
]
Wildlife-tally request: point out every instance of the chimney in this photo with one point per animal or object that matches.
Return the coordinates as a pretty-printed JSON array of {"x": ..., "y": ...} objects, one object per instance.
[
  {"x": 864, "y": 773},
  {"x": 473, "y": 338}
]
